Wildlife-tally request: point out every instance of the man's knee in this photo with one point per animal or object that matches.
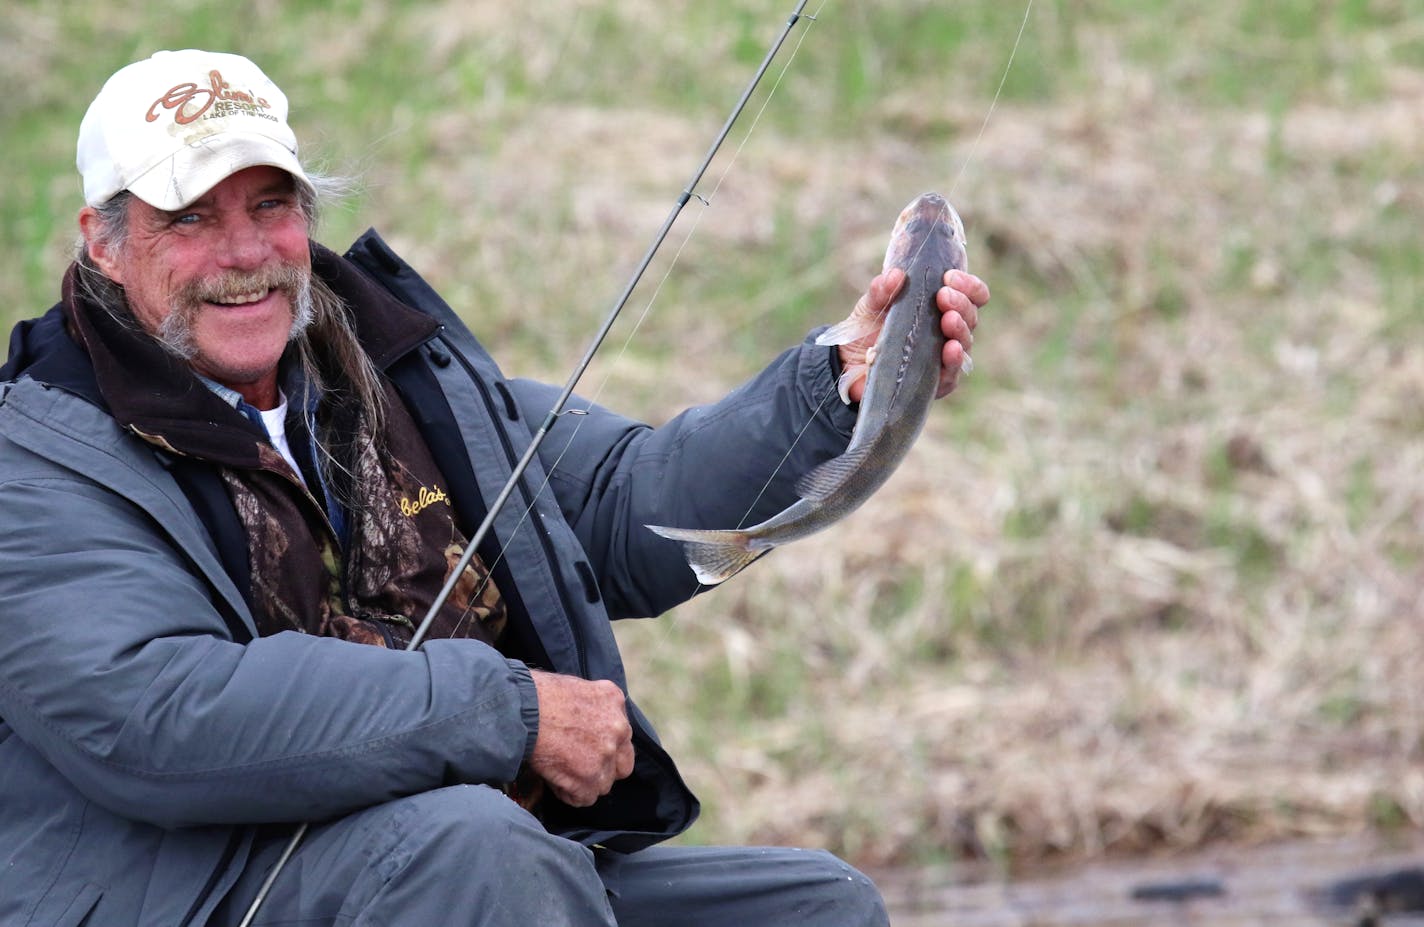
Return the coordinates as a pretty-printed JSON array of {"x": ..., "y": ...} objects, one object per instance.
[
  {"x": 465, "y": 854},
  {"x": 741, "y": 885},
  {"x": 439, "y": 834},
  {"x": 476, "y": 837},
  {"x": 849, "y": 892},
  {"x": 477, "y": 828},
  {"x": 473, "y": 813}
]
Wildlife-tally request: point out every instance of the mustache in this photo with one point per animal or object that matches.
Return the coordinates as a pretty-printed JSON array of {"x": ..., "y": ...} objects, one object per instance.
[
  {"x": 230, "y": 285},
  {"x": 175, "y": 332}
]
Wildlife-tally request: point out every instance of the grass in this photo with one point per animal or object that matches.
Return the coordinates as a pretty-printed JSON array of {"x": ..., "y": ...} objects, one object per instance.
[{"x": 1152, "y": 578}]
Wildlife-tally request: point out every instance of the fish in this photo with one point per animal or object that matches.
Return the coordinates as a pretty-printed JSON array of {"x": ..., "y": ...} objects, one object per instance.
[{"x": 903, "y": 376}]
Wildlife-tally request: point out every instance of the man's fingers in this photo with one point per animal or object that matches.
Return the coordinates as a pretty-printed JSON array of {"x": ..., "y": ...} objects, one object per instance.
[
  {"x": 882, "y": 290},
  {"x": 959, "y": 301},
  {"x": 957, "y": 328},
  {"x": 583, "y": 794},
  {"x": 955, "y": 361},
  {"x": 948, "y": 299},
  {"x": 976, "y": 290},
  {"x": 879, "y": 295},
  {"x": 625, "y": 762}
]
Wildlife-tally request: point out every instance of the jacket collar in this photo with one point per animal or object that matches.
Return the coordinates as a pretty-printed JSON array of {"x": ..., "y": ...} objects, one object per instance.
[{"x": 386, "y": 327}]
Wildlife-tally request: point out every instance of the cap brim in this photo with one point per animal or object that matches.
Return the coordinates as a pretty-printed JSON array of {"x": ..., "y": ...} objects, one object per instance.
[{"x": 177, "y": 181}]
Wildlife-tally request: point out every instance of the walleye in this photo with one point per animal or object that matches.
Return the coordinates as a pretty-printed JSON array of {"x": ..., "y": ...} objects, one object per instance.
[{"x": 928, "y": 239}]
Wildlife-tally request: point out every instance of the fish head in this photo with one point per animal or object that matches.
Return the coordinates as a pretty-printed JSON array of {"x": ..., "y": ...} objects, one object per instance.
[{"x": 928, "y": 221}]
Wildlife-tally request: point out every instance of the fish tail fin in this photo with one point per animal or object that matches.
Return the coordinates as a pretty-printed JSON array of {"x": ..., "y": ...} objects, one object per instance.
[{"x": 713, "y": 555}]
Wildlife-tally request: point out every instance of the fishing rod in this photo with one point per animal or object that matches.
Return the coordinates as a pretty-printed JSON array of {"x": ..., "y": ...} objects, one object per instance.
[
  {"x": 510, "y": 484},
  {"x": 582, "y": 366}
]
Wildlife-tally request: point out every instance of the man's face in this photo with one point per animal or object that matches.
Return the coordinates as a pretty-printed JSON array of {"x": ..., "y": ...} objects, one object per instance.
[{"x": 223, "y": 280}]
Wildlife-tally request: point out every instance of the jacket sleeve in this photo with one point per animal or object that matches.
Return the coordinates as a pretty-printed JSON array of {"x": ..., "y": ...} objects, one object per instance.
[
  {"x": 732, "y": 462},
  {"x": 115, "y": 666}
]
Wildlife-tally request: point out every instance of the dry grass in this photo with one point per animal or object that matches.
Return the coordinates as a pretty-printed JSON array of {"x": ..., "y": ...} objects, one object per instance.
[{"x": 1153, "y": 577}]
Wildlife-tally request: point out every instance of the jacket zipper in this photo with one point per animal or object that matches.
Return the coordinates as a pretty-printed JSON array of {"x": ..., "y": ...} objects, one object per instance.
[{"x": 547, "y": 543}]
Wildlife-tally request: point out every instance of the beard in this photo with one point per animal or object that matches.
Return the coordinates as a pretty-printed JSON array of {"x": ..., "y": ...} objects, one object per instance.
[{"x": 175, "y": 332}]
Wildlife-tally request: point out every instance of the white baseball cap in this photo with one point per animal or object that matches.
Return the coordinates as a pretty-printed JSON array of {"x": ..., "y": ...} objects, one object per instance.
[{"x": 171, "y": 127}]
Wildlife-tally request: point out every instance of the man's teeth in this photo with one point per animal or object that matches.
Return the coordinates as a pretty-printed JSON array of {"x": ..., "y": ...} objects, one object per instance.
[{"x": 243, "y": 299}]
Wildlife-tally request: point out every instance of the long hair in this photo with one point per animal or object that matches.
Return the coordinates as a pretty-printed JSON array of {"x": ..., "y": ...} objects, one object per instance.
[{"x": 349, "y": 391}]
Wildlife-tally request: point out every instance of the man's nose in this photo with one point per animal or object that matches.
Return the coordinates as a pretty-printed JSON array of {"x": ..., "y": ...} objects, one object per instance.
[{"x": 244, "y": 245}]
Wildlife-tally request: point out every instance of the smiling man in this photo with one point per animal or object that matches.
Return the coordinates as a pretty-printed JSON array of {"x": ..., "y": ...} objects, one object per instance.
[
  {"x": 224, "y": 282},
  {"x": 237, "y": 468}
]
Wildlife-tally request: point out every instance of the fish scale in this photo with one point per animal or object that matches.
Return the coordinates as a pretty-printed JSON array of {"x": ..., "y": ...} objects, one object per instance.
[{"x": 927, "y": 241}]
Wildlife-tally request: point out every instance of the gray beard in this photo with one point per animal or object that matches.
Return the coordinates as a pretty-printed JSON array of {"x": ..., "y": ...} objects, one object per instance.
[{"x": 175, "y": 332}]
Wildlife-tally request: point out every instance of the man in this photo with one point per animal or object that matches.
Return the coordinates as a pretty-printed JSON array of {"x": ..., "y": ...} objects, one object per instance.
[{"x": 236, "y": 468}]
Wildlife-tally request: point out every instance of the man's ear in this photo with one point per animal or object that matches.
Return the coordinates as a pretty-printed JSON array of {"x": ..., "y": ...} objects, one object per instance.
[{"x": 101, "y": 252}]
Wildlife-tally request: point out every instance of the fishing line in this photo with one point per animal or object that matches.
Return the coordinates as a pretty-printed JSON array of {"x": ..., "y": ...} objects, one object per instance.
[
  {"x": 667, "y": 629},
  {"x": 964, "y": 166},
  {"x": 969, "y": 158},
  {"x": 516, "y": 476},
  {"x": 968, "y": 364},
  {"x": 750, "y": 320},
  {"x": 993, "y": 104},
  {"x": 648, "y": 305}
]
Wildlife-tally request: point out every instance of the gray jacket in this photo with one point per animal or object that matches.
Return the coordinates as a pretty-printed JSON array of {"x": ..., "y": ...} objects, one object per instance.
[{"x": 145, "y": 730}]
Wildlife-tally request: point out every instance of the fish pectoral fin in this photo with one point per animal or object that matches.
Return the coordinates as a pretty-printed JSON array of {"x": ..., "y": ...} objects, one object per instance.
[
  {"x": 821, "y": 482},
  {"x": 714, "y": 556},
  {"x": 848, "y": 377},
  {"x": 852, "y": 329}
]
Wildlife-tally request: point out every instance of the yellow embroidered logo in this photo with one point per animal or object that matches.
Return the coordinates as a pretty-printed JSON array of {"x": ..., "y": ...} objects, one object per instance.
[{"x": 425, "y": 500}]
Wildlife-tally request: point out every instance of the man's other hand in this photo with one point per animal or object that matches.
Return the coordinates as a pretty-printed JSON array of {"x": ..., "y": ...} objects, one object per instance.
[{"x": 585, "y": 742}]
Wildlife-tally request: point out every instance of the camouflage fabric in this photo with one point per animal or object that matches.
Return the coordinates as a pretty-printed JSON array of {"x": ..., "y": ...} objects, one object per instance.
[{"x": 403, "y": 543}]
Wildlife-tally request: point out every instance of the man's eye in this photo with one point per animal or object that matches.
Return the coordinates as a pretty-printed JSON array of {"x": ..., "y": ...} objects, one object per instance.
[{"x": 187, "y": 218}]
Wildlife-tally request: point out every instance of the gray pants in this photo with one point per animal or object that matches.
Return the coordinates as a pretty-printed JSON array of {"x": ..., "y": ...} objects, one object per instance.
[{"x": 469, "y": 856}]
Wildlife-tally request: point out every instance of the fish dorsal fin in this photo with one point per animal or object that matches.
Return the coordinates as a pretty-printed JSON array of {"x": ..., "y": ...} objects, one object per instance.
[{"x": 831, "y": 475}]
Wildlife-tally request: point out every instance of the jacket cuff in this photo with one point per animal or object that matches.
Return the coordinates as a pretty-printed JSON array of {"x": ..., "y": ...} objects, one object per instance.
[
  {"x": 821, "y": 372},
  {"x": 528, "y": 705}
]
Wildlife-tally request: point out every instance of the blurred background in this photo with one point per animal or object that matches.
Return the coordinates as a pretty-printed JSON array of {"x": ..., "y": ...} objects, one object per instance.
[{"x": 1152, "y": 579}]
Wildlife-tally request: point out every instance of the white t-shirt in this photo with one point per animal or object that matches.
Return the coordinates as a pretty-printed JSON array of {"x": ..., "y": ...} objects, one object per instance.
[{"x": 275, "y": 421}]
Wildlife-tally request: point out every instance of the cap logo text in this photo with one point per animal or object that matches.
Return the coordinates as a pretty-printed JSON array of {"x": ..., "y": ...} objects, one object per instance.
[{"x": 191, "y": 101}]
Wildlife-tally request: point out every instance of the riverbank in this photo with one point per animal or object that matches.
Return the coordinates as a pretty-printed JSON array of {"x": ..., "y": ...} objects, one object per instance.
[{"x": 1298, "y": 883}]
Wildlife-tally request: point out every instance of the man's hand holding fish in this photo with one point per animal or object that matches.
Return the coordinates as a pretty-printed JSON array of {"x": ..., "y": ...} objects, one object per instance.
[{"x": 960, "y": 300}]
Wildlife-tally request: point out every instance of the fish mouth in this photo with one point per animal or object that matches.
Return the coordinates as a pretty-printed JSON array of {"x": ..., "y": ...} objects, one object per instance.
[
  {"x": 931, "y": 208},
  {"x": 916, "y": 221},
  {"x": 926, "y": 207}
]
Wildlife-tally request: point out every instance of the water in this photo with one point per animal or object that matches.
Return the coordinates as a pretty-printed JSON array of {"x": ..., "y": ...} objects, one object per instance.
[{"x": 1301, "y": 883}]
